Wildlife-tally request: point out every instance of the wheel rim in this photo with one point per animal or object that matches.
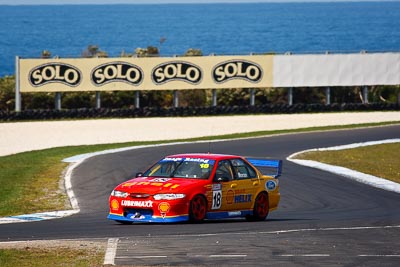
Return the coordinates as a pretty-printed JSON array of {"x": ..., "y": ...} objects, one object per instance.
[
  {"x": 262, "y": 205},
  {"x": 198, "y": 208}
]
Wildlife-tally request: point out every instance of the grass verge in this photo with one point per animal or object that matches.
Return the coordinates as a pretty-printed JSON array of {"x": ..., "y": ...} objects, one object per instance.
[
  {"x": 378, "y": 160},
  {"x": 32, "y": 257},
  {"x": 29, "y": 182}
]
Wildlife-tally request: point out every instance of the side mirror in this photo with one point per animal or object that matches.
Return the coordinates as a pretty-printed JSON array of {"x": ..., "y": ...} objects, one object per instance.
[
  {"x": 221, "y": 179},
  {"x": 139, "y": 174}
]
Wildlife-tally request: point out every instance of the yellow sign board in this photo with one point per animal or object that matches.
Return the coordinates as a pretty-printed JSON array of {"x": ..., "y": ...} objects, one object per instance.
[{"x": 157, "y": 73}]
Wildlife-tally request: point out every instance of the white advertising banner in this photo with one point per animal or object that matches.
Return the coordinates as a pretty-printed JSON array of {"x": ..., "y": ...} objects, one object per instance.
[{"x": 336, "y": 70}]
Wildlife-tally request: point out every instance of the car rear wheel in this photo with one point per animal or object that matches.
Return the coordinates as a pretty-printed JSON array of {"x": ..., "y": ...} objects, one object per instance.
[
  {"x": 261, "y": 208},
  {"x": 198, "y": 209}
]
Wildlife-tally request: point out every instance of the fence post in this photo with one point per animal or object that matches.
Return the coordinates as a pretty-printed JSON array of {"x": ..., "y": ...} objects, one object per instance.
[
  {"x": 98, "y": 99},
  {"x": 290, "y": 96},
  {"x": 176, "y": 98},
  {"x": 252, "y": 97},
  {"x": 214, "y": 97},
  {"x": 57, "y": 102},
  {"x": 137, "y": 99},
  {"x": 328, "y": 95},
  {"x": 17, "y": 86},
  {"x": 398, "y": 98},
  {"x": 365, "y": 95}
]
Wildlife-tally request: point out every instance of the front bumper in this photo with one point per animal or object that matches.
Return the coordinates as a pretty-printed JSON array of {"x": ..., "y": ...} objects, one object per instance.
[
  {"x": 128, "y": 210},
  {"x": 129, "y": 217}
]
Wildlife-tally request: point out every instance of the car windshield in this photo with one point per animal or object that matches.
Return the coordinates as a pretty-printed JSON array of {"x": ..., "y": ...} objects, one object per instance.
[{"x": 182, "y": 168}]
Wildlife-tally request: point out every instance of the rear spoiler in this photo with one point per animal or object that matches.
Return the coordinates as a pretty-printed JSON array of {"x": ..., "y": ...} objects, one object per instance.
[{"x": 270, "y": 167}]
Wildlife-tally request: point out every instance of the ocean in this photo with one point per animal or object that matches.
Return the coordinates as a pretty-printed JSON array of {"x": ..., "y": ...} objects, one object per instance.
[{"x": 222, "y": 29}]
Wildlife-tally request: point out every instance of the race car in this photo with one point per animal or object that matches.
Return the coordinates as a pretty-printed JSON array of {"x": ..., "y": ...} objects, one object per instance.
[{"x": 195, "y": 187}]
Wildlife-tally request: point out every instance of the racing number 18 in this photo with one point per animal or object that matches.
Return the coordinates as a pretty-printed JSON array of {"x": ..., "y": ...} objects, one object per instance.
[{"x": 217, "y": 196}]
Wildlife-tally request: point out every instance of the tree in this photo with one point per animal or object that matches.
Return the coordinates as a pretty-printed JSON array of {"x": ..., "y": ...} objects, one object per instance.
[
  {"x": 191, "y": 52},
  {"x": 7, "y": 95},
  {"x": 93, "y": 51},
  {"x": 150, "y": 51},
  {"x": 46, "y": 54}
]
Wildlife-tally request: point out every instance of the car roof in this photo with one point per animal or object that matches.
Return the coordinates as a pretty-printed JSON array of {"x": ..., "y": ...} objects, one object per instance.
[{"x": 204, "y": 156}]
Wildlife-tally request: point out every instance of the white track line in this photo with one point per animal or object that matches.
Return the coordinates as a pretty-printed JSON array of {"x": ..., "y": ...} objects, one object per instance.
[
  {"x": 111, "y": 252},
  {"x": 348, "y": 173}
]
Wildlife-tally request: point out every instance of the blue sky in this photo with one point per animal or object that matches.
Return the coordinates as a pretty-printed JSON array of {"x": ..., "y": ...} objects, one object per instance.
[{"x": 58, "y": 2}]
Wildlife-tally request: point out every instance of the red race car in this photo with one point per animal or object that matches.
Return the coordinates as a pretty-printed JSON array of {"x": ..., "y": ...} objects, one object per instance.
[{"x": 194, "y": 187}]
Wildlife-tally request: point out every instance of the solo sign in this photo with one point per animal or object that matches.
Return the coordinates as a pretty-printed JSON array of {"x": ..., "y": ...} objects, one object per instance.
[
  {"x": 117, "y": 72},
  {"x": 55, "y": 73},
  {"x": 237, "y": 69},
  {"x": 178, "y": 70}
]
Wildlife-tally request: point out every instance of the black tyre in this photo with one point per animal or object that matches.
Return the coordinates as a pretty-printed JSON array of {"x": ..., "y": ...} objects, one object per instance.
[{"x": 198, "y": 209}]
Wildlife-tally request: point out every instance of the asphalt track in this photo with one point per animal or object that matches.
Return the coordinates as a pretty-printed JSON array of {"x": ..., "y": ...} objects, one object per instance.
[{"x": 323, "y": 219}]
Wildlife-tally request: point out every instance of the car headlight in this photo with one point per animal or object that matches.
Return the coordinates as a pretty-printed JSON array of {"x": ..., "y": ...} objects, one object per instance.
[
  {"x": 121, "y": 194},
  {"x": 168, "y": 196}
]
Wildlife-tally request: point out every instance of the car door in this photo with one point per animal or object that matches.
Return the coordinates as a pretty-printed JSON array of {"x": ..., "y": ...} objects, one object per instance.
[
  {"x": 244, "y": 185},
  {"x": 236, "y": 186}
]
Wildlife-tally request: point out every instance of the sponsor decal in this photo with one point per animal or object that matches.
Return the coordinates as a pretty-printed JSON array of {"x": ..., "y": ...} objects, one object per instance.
[
  {"x": 230, "y": 195},
  {"x": 234, "y": 213},
  {"x": 242, "y": 175},
  {"x": 128, "y": 184},
  {"x": 216, "y": 187},
  {"x": 135, "y": 203},
  {"x": 117, "y": 72},
  {"x": 237, "y": 69},
  {"x": 114, "y": 204},
  {"x": 243, "y": 198},
  {"x": 152, "y": 183},
  {"x": 171, "y": 159},
  {"x": 164, "y": 207},
  {"x": 200, "y": 160},
  {"x": 160, "y": 180},
  {"x": 137, "y": 216},
  {"x": 55, "y": 73},
  {"x": 270, "y": 185},
  {"x": 216, "y": 200},
  {"x": 177, "y": 71}
]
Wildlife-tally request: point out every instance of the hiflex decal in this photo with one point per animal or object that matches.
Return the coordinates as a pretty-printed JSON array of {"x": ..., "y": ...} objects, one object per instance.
[
  {"x": 55, "y": 72},
  {"x": 177, "y": 71},
  {"x": 237, "y": 69},
  {"x": 243, "y": 198},
  {"x": 117, "y": 72}
]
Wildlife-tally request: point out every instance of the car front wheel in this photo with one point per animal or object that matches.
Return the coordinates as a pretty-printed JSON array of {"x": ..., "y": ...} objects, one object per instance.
[{"x": 198, "y": 209}]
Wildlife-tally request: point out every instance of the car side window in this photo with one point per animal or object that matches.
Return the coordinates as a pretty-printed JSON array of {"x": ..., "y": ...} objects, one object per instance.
[
  {"x": 242, "y": 170},
  {"x": 224, "y": 171}
]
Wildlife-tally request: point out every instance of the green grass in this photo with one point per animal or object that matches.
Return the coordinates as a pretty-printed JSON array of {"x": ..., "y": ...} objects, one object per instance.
[
  {"x": 29, "y": 181},
  {"x": 38, "y": 257},
  {"x": 378, "y": 160}
]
